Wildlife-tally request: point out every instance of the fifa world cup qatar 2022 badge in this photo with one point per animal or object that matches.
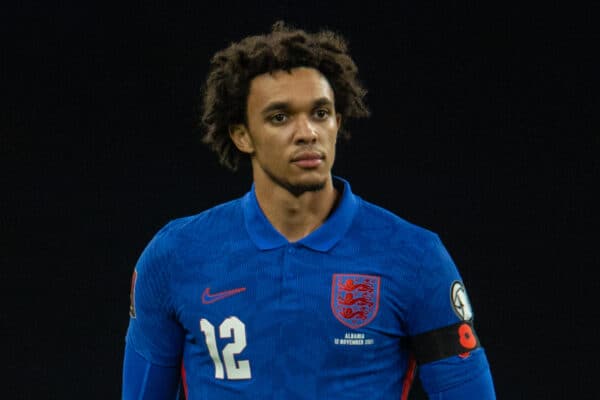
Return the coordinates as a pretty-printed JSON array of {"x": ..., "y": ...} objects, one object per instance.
[
  {"x": 355, "y": 298},
  {"x": 132, "y": 295}
]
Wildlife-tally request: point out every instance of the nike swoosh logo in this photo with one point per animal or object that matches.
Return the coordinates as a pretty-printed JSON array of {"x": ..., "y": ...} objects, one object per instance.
[{"x": 208, "y": 298}]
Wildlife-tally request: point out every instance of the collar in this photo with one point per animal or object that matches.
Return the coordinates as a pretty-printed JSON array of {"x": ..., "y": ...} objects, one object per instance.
[{"x": 266, "y": 237}]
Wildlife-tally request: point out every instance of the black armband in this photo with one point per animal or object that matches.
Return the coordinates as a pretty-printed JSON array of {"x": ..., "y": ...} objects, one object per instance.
[{"x": 454, "y": 340}]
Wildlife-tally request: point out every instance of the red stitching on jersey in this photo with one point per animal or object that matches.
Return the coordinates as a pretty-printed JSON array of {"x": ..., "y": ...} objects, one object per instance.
[
  {"x": 409, "y": 377},
  {"x": 184, "y": 380}
]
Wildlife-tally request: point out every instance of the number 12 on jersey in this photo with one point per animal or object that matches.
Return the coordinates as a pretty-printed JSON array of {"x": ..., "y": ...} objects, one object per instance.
[{"x": 235, "y": 370}]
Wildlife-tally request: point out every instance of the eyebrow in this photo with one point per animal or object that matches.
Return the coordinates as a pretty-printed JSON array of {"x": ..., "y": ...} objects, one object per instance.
[{"x": 284, "y": 105}]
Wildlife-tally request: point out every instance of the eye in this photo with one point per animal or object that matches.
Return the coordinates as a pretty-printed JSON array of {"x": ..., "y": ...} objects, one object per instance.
[
  {"x": 278, "y": 118},
  {"x": 322, "y": 113}
]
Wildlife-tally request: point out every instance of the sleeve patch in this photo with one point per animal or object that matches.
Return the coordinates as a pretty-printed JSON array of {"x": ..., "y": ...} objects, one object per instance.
[
  {"x": 460, "y": 301},
  {"x": 132, "y": 295}
]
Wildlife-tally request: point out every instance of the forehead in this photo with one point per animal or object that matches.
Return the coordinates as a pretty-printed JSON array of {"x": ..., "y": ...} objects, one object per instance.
[{"x": 298, "y": 86}]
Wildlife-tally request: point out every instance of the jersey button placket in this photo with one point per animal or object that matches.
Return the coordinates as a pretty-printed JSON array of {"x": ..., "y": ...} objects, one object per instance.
[{"x": 288, "y": 273}]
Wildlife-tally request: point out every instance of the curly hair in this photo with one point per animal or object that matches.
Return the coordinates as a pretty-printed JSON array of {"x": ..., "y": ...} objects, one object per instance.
[{"x": 225, "y": 94}]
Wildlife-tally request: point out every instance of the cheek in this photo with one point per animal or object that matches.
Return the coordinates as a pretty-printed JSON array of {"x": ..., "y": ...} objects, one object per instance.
[
  {"x": 332, "y": 149},
  {"x": 333, "y": 135},
  {"x": 272, "y": 149}
]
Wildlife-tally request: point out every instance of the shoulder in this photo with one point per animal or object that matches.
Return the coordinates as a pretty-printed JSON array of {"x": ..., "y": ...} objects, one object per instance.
[
  {"x": 412, "y": 246},
  {"x": 381, "y": 223},
  {"x": 199, "y": 227}
]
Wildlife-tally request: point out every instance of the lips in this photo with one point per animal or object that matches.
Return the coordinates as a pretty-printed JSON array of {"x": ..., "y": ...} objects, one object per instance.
[
  {"x": 307, "y": 155},
  {"x": 308, "y": 159}
]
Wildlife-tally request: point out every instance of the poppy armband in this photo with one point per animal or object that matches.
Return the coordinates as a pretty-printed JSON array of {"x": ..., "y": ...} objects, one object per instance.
[{"x": 453, "y": 340}]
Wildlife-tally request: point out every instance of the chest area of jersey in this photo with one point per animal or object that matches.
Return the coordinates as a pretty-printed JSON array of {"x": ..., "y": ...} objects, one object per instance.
[
  {"x": 295, "y": 290},
  {"x": 286, "y": 309},
  {"x": 347, "y": 300}
]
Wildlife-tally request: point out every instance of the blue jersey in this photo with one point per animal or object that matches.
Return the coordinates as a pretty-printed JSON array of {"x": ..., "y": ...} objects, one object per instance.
[{"x": 346, "y": 312}]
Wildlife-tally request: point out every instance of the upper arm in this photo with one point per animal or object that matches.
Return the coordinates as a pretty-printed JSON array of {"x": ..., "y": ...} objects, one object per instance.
[
  {"x": 452, "y": 365},
  {"x": 154, "y": 331}
]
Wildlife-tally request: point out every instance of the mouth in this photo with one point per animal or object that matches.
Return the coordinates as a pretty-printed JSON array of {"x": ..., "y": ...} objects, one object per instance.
[{"x": 308, "y": 159}]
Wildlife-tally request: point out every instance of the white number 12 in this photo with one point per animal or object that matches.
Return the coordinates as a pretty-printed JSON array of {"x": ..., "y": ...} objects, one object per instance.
[{"x": 239, "y": 369}]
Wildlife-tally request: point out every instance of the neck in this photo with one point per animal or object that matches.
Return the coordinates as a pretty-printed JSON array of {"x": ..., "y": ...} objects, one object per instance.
[{"x": 295, "y": 215}]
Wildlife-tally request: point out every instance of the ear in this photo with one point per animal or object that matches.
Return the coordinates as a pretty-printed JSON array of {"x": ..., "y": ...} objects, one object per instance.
[
  {"x": 338, "y": 119},
  {"x": 241, "y": 138}
]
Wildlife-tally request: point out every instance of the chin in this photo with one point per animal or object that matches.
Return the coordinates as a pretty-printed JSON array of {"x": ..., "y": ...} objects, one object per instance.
[
  {"x": 307, "y": 181},
  {"x": 300, "y": 189},
  {"x": 309, "y": 184},
  {"x": 312, "y": 187},
  {"x": 315, "y": 178}
]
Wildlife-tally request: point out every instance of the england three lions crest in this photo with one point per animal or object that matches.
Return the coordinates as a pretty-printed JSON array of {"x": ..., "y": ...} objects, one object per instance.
[{"x": 355, "y": 298}]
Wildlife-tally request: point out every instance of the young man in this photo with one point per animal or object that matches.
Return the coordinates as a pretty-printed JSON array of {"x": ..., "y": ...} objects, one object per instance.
[{"x": 300, "y": 289}]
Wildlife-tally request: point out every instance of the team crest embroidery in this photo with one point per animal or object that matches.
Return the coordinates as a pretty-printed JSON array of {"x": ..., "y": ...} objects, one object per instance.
[{"x": 355, "y": 298}]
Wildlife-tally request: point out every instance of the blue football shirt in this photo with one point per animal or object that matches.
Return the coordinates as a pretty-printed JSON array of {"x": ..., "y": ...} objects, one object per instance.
[{"x": 249, "y": 315}]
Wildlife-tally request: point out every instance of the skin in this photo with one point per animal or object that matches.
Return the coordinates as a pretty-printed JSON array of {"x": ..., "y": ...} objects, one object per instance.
[{"x": 290, "y": 136}]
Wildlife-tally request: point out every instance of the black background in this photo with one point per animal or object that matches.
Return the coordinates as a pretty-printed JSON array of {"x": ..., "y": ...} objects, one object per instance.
[{"x": 484, "y": 128}]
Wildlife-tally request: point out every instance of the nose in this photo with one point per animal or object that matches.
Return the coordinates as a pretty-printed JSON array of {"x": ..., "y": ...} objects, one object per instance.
[{"x": 305, "y": 131}]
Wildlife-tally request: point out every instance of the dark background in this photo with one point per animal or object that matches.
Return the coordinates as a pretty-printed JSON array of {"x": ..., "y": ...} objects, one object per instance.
[{"x": 484, "y": 129}]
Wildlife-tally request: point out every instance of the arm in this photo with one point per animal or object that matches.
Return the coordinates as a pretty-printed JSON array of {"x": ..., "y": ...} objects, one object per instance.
[
  {"x": 154, "y": 340},
  {"x": 452, "y": 363},
  {"x": 143, "y": 380},
  {"x": 457, "y": 378}
]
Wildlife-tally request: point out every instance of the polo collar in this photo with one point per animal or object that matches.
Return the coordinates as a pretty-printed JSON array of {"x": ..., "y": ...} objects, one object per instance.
[{"x": 266, "y": 237}]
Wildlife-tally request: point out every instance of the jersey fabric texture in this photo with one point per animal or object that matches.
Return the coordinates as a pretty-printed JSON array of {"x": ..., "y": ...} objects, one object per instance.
[{"x": 246, "y": 314}]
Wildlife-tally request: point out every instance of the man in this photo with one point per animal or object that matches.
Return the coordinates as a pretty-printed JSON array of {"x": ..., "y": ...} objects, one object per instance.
[{"x": 300, "y": 289}]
